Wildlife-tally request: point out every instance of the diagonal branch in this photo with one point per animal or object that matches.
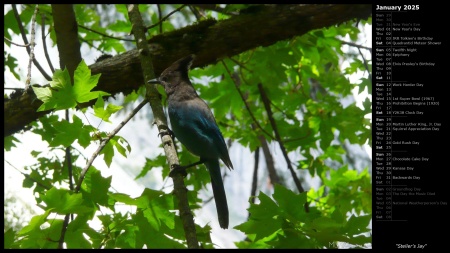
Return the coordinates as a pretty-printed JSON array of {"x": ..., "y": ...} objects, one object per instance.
[
  {"x": 245, "y": 103},
  {"x": 166, "y": 17},
  {"x": 266, "y": 103}
]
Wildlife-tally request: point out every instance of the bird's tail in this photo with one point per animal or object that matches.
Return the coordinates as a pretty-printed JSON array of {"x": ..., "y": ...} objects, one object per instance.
[{"x": 219, "y": 192}]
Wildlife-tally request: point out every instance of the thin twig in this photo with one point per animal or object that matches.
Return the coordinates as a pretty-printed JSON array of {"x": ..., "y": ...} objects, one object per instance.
[
  {"x": 196, "y": 13},
  {"x": 366, "y": 65},
  {"x": 274, "y": 179},
  {"x": 32, "y": 44},
  {"x": 266, "y": 103},
  {"x": 159, "y": 16},
  {"x": 240, "y": 64},
  {"x": 63, "y": 232},
  {"x": 245, "y": 103},
  {"x": 9, "y": 88},
  {"x": 25, "y": 40},
  {"x": 166, "y": 17},
  {"x": 69, "y": 161},
  {"x": 29, "y": 177},
  {"x": 217, "y": 9},
  {"x": 91, "y": 45},
  {"x": 45, "y": 44},
  {"x": 91, "y": 160},
  {"x": 104, "y": 141},
  {"x": 255, "y": 177},
  {"x": 104, "y": 34},
  {"x": 15, "y": 44},
  {"x": 356, "y": 45}
]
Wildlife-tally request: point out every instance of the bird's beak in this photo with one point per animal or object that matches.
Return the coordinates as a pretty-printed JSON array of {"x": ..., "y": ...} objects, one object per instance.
[{"x": 154, "y": 81}]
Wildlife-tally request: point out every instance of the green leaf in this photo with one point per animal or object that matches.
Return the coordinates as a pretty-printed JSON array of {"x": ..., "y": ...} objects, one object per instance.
[
  {"x": 75, "y": 238},
  {"x": 156, "y": 206},
  {"x": 84, "y": 83},
  {"x": 290, "y": 202},
  {"x": 103, "y": 113},
  {"x": 108, "y": 152},
  {"x": 126, "y": 199},
  {"x": 263, "y": 218},
  {"x": 357, "y": 224},
  {"x": 10, "y": 62},
  {"x": 267, "y": 208},
  {"x": 95, "y": 187},
  {"x": 35, "y": 223},
  {"x": 66, "y": 133},
  {"x": 121, "y": 145},
  {"x": 127, "y": 239},
  {"x": 63, "y": 201},
  {"x": 8, "y": 238},
  {"x": 159, "y": 161},
  {"x": 9, "y": 142},
  {"x": 62, "y": 95}
]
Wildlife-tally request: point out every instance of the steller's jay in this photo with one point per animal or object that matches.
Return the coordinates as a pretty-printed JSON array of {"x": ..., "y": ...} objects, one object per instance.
[{"x": 193, "y": 124}]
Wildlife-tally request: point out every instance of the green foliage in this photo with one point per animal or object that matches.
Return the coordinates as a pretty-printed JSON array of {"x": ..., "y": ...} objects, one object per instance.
[
  {"x": 105, "y": 113},
  {"x": 283, "y": 222},
  {"x": 310, "y": 96},
  {"x": 62, "y": 95}
]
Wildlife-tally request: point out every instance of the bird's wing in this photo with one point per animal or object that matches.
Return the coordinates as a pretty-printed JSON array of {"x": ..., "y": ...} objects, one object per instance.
[{"x": 203, "y": 120}]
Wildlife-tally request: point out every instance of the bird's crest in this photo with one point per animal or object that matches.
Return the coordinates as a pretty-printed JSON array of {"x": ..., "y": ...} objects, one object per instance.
[{"x": 181, "y": 65}]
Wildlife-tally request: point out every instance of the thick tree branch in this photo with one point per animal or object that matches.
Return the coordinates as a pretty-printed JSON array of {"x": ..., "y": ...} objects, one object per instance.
[
  {"x": 66, "y": 29},
  {"x": 210, "y": 40}
]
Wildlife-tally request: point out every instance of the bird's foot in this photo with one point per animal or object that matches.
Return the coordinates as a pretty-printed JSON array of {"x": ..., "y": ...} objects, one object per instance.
[
  {"x": 175, "y": 168},
  {"x": 167, "y": 132}
]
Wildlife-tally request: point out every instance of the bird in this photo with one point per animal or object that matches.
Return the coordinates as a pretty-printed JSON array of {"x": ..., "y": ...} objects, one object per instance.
[{"x": 194, "y": 125}]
